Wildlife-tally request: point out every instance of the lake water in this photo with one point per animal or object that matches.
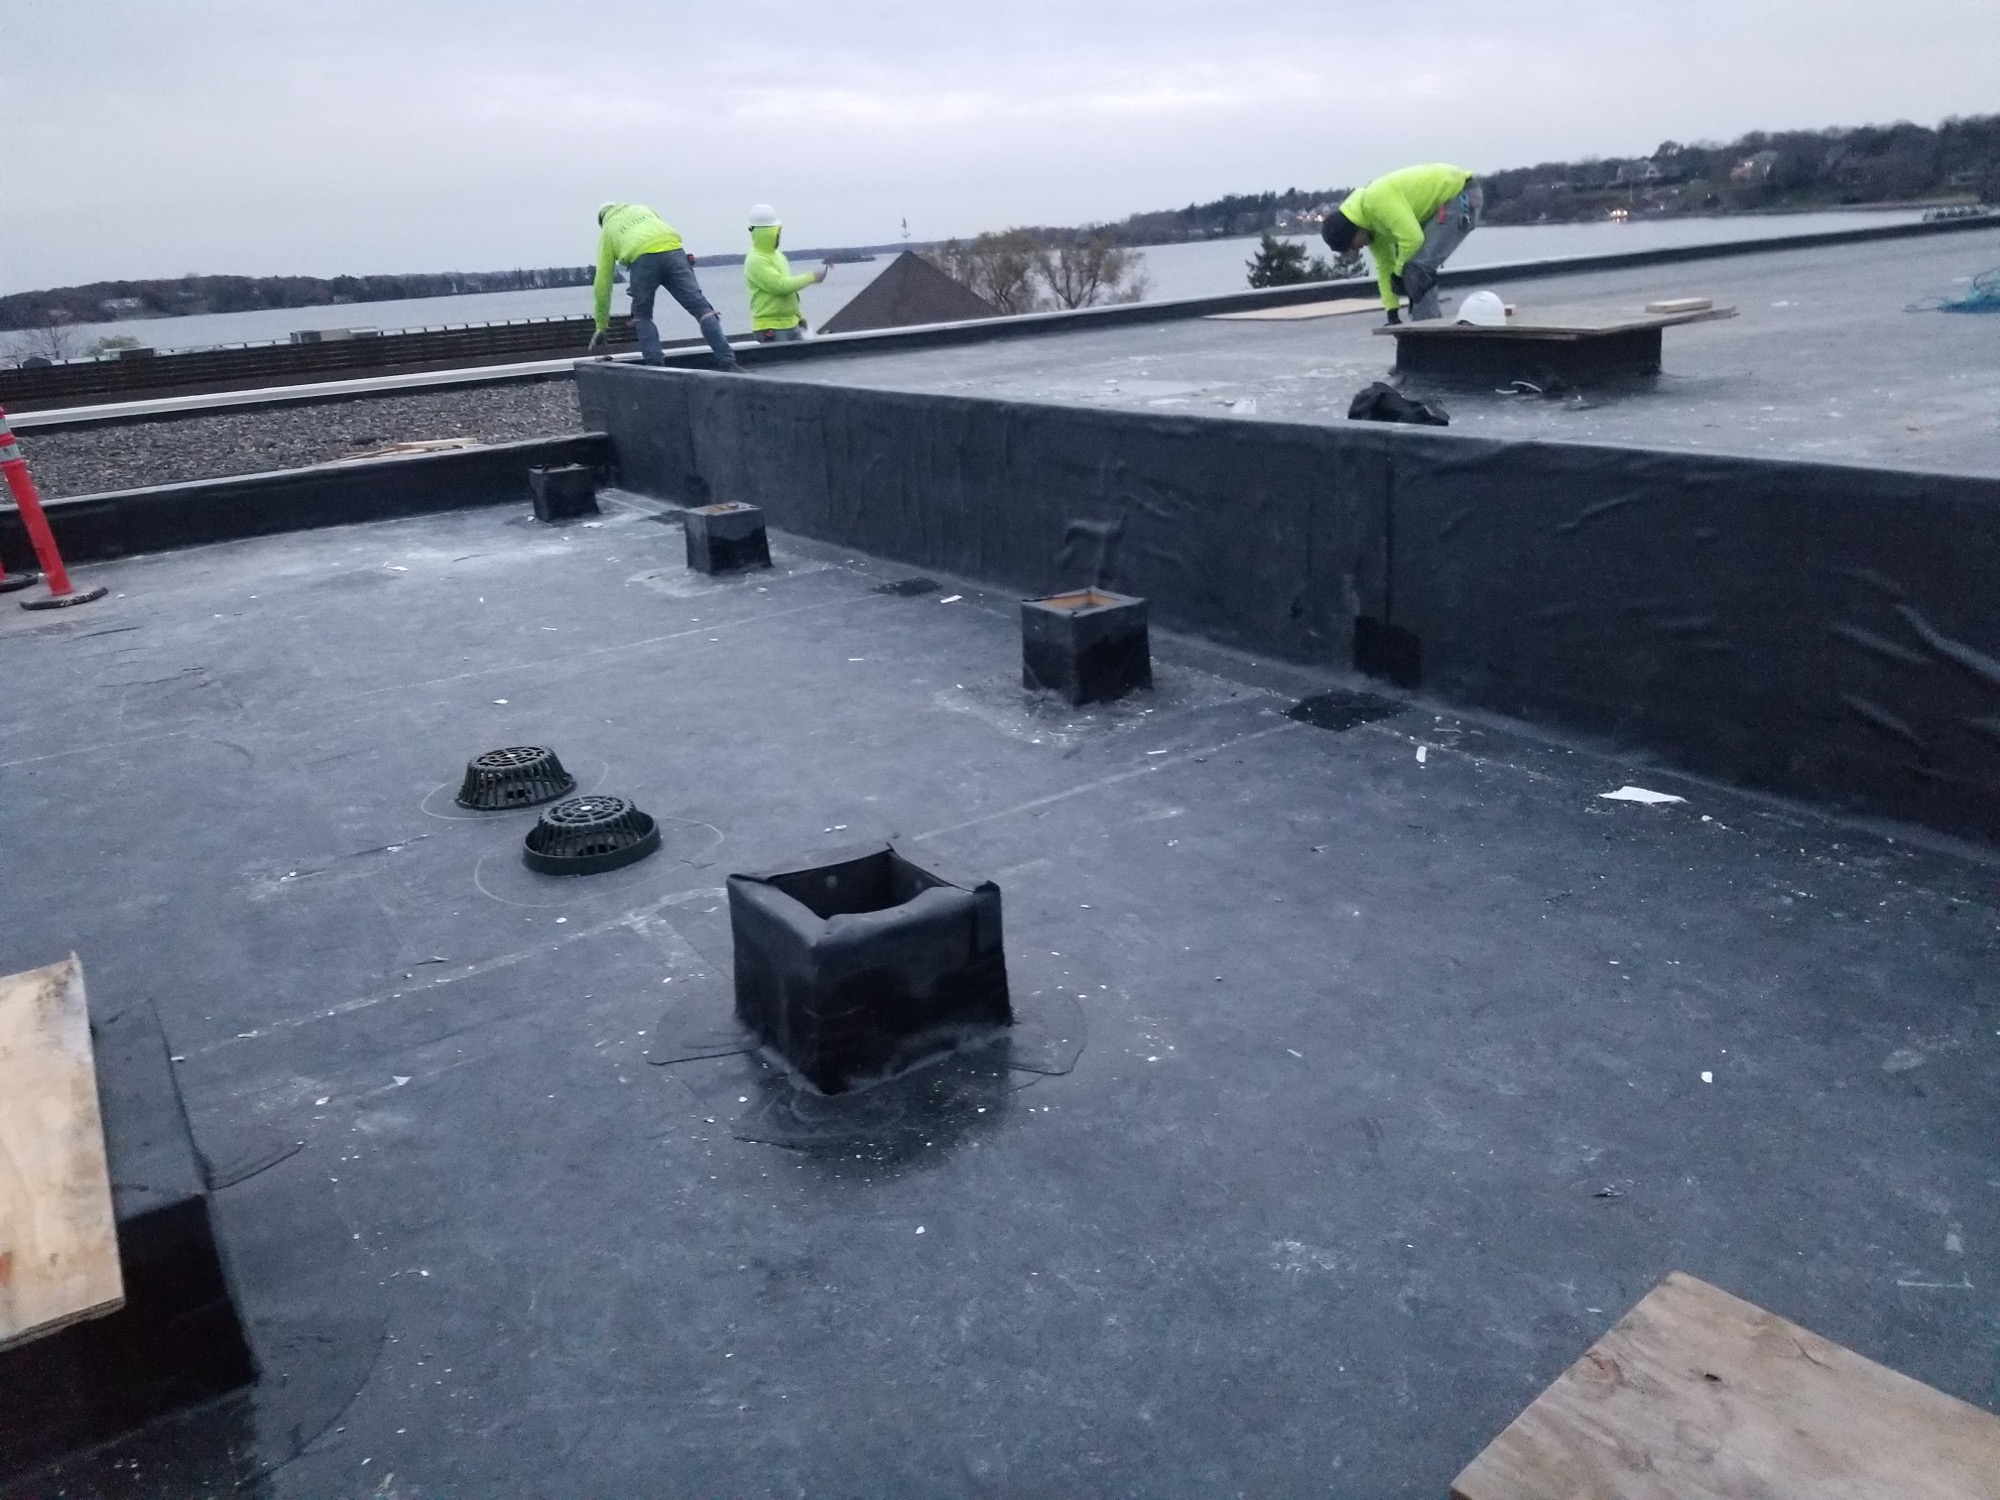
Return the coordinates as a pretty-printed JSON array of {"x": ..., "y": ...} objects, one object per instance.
[{"x": 1204, "y": 268}]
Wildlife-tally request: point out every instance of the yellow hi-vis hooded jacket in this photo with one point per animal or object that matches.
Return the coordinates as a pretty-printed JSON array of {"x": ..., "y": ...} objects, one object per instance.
[
  {"x": 1395, "y": 208},
  {"x": 774, "y": 290},
  {"x": 629, "y": 232}
]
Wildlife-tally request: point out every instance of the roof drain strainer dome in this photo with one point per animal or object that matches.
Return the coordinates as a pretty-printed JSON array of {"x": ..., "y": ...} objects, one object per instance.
[
  {"x": 519, "y": 776},
  {"x": 586, "y": 835}
]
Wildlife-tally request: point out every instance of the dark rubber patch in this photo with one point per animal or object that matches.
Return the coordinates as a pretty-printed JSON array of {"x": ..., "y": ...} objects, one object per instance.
[{"x": 1340, "y": 709}]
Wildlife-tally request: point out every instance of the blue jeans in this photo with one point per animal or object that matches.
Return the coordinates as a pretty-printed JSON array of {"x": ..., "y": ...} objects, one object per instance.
[
  {"x": 670, "y": 269},
  {"x": 792, "y": 335},
  {"x": 1445, "y": 233}
]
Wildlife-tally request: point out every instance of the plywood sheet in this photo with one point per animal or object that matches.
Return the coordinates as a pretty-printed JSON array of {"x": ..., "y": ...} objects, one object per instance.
[
  {"x": 1555, "y": 323},
  {"x": 58, "y": 1239},
  {"x": 1698, "y": 1395},
  {"x": 1300, "y": 311}
]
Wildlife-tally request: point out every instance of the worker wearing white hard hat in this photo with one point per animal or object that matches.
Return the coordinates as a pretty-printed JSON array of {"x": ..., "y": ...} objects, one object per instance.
[{"x": 774, "y": 290}]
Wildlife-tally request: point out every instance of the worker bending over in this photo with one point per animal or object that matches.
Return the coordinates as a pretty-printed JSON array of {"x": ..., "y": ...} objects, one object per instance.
[
  {"x": 629, "y": 235},
  {"x": 774, "y": 290},
  {"x": 1411, "y": 221}
]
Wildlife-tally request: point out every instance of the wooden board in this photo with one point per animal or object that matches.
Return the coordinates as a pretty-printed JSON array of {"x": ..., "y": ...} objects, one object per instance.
[
  {"x": 1553, "y": 323},
  {"x": 1301, "y": 310},
  {"x": 58, "y": 1240},
  {"x": 1698, "y": 1395}
]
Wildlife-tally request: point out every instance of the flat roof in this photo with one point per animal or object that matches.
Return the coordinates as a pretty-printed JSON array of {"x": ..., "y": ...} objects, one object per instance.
[
  {"x": 1825, "y": 361},
  {"x": 1404, "y": 1060}
]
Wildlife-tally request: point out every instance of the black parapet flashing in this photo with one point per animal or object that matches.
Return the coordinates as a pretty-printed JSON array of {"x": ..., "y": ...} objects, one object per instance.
[
  {"x": 1817, "y": 630},
  {"x": 160, "y": 518}
]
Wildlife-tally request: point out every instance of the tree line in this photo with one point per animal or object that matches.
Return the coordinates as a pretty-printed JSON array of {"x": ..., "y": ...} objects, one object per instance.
[
  {"x": 1026, "y": 269},
  {"x": 108, "y": 301},
  {"x": 1958, "y": 160},
  {"x": 1798, "y": 169}
]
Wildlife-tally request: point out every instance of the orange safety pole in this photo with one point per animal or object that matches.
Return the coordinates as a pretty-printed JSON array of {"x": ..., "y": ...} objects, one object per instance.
[{"x": 29, "y": 499}]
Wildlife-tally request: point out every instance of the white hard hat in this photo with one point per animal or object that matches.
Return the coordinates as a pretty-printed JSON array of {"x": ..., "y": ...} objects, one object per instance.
[
  {"x": 1484, "y": 310},
  {"x": 763, "y": 216}
]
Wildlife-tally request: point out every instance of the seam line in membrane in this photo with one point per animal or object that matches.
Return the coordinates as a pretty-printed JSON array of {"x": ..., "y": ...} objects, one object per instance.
[
  {"x": 1112, "y": 780},
  {"x": 634, "y": 919}
]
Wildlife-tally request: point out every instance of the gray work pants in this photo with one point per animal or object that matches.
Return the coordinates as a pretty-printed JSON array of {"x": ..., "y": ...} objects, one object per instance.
[
  {"x": 1444, "y": 234},
  {"x": 670, "y": 269}
]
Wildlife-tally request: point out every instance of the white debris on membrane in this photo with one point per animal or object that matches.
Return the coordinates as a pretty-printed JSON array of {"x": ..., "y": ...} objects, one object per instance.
[{"x": 1640, "y": 794}]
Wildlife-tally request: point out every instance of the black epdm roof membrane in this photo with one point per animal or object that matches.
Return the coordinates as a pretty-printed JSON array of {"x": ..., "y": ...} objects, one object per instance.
[{"x": 1402, "y": 1063}]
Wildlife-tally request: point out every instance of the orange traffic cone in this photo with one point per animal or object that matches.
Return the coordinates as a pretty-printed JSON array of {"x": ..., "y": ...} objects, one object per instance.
[{"x": 61, "y": 595}]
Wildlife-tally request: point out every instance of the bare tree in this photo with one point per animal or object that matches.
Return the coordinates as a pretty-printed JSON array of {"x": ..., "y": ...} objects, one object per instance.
[
  {"x": 1082, "y": 270},
  {"x": 997, "y": 267},
  {"x": 54, "y": 339}
]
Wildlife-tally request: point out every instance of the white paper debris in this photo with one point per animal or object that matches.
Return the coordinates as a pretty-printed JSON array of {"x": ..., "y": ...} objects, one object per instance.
[
  {"x": 1423, "y": 752},
  {"x": 1640, "y": 794},
  {"x": 1707, "y": 1077},
  {"x": 951, "y": 598}
]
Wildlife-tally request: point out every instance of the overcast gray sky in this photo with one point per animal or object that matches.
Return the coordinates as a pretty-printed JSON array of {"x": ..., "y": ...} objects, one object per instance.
[{"x": 145, "y": 138}]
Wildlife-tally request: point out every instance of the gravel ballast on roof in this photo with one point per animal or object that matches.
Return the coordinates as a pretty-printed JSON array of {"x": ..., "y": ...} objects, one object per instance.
[{"x": 208, "y": 445}]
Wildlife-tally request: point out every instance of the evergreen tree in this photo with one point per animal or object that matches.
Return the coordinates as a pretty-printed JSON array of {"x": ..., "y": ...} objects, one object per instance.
[
  {"x": 1279, "y": 263},
  {"x": 1283, "y": 263}
]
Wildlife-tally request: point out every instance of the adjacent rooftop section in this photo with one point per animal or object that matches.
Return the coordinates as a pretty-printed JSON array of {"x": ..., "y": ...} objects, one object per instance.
[{"x": 1825, "y": 361}]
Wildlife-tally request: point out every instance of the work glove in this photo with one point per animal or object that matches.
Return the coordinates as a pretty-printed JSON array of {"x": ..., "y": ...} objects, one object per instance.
[
  {"x": 1418, "y": 280},
  {"x": 596, "y": 342},
  {"x": 1394, "y": 316}
]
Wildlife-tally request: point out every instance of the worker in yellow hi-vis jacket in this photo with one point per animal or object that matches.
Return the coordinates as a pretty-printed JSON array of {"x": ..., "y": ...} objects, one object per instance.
[
  {"x": 774, "y": 290},
  {"x": 632, "y": 235},
  {"x": 1410, "y": 220}
]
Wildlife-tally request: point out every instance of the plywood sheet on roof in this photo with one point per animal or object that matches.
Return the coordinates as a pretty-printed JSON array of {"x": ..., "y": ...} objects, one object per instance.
[
  {"x": 1545, "y": 323},
  {"x": 58, "y": 1239},
  {"x": 1300, "y": 311},
  {"x": 1698, "y": 1395}
]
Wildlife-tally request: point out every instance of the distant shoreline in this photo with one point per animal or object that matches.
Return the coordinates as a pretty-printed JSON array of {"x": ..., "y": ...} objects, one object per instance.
[{"x": 479, "y": 283}]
